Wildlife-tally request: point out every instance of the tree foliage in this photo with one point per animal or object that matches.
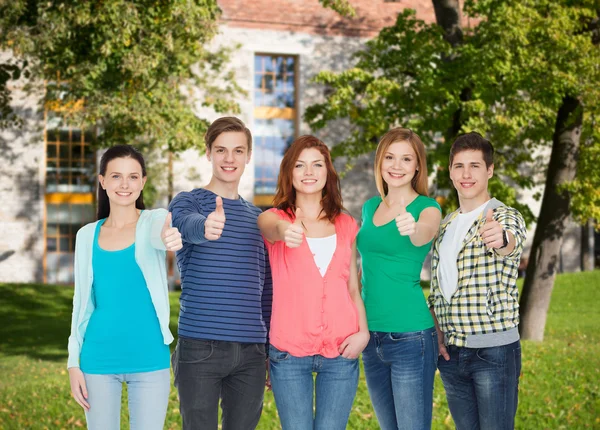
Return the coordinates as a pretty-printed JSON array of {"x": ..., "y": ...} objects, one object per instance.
[
  {"x": 516, "y": 63},
  {"x": 138, "y": 65}
]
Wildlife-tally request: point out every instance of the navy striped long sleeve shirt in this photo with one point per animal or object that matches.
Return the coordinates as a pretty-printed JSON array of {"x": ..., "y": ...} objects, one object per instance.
[{"x": 226, "y": 284}]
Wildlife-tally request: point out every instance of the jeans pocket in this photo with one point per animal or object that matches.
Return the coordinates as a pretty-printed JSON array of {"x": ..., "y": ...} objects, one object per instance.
[
  {"x": 405, "y": 337},
  {"x": 277, "y": 355},
  {"x": 260, "y": 348},
  {"x": 495, "y": 355},
  {"x": 194, "y": 351}
]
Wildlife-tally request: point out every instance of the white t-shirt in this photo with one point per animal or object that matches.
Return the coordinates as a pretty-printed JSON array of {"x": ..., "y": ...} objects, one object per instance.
[
  {"x": 451, "y": 246},
  {"x": 322, "y": 249}
]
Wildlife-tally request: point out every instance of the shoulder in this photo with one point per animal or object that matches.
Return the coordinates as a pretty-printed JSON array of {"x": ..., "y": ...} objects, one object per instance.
[
  {"x": 87, "y": 229},
  {"x": 152, "y": 214},
  {"x": 425, "y": 202},
  {"x": 250, "y": 206},
  {"x": 347, "y": 223},
  {"x": 373, "y": 202}
]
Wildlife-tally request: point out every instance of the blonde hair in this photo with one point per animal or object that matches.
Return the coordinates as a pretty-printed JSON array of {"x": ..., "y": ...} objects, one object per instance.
[{"x": 399, "y": 134}]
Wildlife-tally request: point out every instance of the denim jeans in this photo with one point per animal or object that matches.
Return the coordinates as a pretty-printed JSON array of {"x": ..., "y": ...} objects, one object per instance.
[
  {"x": 293, "y": 388},
  {"x": 482, "y": 386},
  {"x": 400, "y": 369},
  {"x": 148, "y": 394},
  {"x": 209, "y": 370}
]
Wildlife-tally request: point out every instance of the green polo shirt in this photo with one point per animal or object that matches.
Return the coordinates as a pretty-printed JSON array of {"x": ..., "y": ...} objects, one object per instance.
[{"x": 391, "y": 272}]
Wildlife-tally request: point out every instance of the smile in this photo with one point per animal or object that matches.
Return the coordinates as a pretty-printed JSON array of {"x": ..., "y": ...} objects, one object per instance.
[
  {"x": 122, "y": 194},
  {"x": 467, "y": 184},
  {"x": 229, "y": 169},
  {"x": 397, "y": 175},
  {"x": 309, "y": 181}
]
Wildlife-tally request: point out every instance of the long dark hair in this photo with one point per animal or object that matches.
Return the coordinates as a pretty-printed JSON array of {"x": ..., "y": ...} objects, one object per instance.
[
  {"x": 285, "y": 198},
  {"x": 118, "y": 151}
]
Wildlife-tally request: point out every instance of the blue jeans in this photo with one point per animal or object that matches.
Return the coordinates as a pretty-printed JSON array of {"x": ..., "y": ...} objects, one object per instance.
[
  {"x": 482, "y": 386},
  {"x": 400, "y": 369},
  {"x": 293, "y": 388},
  {"x": 148, "y": 398}
]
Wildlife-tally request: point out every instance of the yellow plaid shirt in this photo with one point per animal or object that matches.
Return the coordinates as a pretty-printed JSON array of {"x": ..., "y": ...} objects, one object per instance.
[{"x": 486, "y": 299}]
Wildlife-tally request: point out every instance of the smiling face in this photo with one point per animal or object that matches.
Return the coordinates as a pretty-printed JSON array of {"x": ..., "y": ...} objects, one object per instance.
[
  {"x": 470, "y": 177},
  {"x": 310, "y": 172},
  {"x": 123, "y": 181},
  {"x": 229, "y": 155},
  {"x": 399, "y": 164}
]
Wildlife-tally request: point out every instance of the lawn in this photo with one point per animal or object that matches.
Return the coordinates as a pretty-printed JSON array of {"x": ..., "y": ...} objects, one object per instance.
[{"x": 560, "y": 383}]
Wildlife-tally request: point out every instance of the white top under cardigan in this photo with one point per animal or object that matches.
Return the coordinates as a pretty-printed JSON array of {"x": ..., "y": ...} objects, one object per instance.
[{"x": 150, "y": 255}]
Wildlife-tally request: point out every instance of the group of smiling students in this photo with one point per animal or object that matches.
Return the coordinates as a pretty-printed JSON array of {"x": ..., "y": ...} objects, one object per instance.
[{"x": 275, "y": 297}]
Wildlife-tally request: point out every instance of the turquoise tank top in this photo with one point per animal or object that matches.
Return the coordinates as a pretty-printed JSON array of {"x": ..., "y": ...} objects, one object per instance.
[{"x": 123, "y": 334}]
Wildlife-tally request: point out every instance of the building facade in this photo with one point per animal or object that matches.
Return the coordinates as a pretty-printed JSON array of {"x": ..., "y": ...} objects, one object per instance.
[{"x": 47, "y": 178}]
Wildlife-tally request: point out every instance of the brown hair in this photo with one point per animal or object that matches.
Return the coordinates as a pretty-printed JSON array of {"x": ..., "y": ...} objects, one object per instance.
[
  {"x": 473, "y": 141},
  {"x": 285, "y": 198},
  {"x": 224, "y": 125},
  {"x": 399, "y": 134}
]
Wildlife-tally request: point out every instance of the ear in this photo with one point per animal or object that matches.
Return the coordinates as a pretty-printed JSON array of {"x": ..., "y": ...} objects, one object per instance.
[
  {"x": 101, "y": 180},
  {"x": 208, "y": 154},
  {"x": 249, "y": 157},
  {"x": 144, "y": 179},
  {"x": 490, "y": 171}
]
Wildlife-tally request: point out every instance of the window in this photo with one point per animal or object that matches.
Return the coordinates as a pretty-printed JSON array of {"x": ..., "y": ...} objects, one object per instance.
[
  {"x": 70, "y": 184},
  {"x": 275, "y": 119}
]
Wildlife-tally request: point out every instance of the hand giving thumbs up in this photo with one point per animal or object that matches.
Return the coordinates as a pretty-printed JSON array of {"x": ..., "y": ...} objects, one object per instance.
[
  {"x": 171, "y": 236},
  {"x": 405, "y": 222},
  {"x": 215, "y": 221}
]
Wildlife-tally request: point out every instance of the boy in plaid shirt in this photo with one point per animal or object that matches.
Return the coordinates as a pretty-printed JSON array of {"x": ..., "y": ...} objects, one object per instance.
[{"x": 474, "y": 295}]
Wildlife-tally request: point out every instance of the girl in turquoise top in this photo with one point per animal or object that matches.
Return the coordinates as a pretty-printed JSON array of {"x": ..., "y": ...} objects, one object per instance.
[
  {"x": 396, "y": 234},
  {"x": 122, "y": 327}
]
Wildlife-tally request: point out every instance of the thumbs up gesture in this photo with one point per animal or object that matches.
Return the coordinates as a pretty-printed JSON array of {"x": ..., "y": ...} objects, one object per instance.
[
  {"x": 405, "y": 222},
  {"x": 292, "y": 233},
  {"x": 171, "y": 236},
  {"x": 215, "y": 221},
  {"x": 492, "y": 232}
]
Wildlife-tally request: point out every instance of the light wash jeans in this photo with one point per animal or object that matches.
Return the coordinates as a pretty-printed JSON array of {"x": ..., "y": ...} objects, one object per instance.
[
  {"x": 148, "y": 398},
  {"x": 295, "y": 392}
]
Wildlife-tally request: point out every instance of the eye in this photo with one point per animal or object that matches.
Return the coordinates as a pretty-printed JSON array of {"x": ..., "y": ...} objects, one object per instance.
[
  {"x": 299, "y": 165},
  {"x": 115, "y": 176},
  {"x": 135, "y": 177},
  {"x": 318, "y": 165},
  {"x": 240, "y": 151},
  {"x": 388, "y": 157},
  {"x": 219, "y": 150},
  {"x": 407, "y": 159}
]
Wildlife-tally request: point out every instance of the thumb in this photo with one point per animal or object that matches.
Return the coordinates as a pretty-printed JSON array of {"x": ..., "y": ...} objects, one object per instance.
[
  {"x": 299, "y": 217},
  {"x": 168, "y": 221},
  {"x": 489, "y": 216},
  {"x": 402, "y": 206},
  {"x": 219, "y": 208}
]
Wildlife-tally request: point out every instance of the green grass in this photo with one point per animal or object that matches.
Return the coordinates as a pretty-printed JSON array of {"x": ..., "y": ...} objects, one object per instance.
[{"x": 559, "y": 384}]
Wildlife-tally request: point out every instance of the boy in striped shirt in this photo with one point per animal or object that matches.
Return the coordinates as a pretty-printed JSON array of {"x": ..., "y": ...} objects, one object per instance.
[{"x": 226, "y": 291}]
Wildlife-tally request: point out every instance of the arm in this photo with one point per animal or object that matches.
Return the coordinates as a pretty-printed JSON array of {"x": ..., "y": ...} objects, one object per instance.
[
  {"x": 76, "y": 378},
  {"x": 354, "y": 344},
  {"x": 440, "y": 336},
  {"x": 188, "y": 218},
  {"x": 274, "y": 229},
  {"x": 504, "y": 219},
  {"x": 426, "y": 227},
  {"x": 267, "y": 295}
]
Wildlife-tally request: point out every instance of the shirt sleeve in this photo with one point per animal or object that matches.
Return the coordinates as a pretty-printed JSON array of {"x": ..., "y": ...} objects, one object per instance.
[
  {"x": 512, "y": 221},
  {"x": 188, "y": 218}
]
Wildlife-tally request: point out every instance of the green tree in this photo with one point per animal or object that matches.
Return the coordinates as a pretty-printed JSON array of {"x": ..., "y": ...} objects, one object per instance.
[
  {"x": 525, "y": 74},
  {"x": 135, "y": 64}
]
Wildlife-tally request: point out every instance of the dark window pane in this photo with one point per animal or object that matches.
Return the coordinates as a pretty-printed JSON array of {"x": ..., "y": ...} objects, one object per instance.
[
  {"x": 63, "y": 135},
  {"x": 64, "y": 244},
  {"x": 64, "y": 229},
  {"x": 76, "y": 135},
  {"x": 268, "y": 62},
  {"x": 51, "y": 230},
  {"x": 51, "y": 151},
  {"x": 89, "y": 136},
  {"x": 51, "y": 244},
  {"x": 52, "y": 135},
  {"x": 64, "y": 151}
]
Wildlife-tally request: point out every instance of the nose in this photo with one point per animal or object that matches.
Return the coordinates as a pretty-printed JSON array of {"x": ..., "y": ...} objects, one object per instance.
[
  {"x": 229, "y": 157},
  {"x": 467, "y": 172},
  {"x": 308, "y": 171}
]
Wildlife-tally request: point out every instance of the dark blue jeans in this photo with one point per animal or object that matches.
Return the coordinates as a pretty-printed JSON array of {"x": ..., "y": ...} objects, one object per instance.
[
  {"x": 482, "y": 386},
  {"x": 400, "y": 369},
  {"x": 209, "y": 370},
  {"x": 295, "y": 392}
]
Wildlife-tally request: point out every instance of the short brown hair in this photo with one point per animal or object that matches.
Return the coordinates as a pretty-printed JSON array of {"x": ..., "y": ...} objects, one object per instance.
[
  {"x": 224, "y": 125},
  {"x": 399, "y": 134},
  {"x": 331, "y": 197},
  {"x": 473, "y": 141}
]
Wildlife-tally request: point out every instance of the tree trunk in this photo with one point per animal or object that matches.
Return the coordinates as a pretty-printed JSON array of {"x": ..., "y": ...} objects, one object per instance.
[
  {"x": 554, "y": 215},
  {"x": 587, "y": 246},
  {"x": 447, "y": 16}
]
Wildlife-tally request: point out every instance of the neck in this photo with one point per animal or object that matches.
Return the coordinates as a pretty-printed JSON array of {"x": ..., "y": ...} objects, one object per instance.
[
  {"x": 395, "y": 195},
  {"x": 229, "y": 190},
  {"x": 310, "y": 205},
  {"x": 120, "y": 216},
  {"x": 467, "y": 205}
]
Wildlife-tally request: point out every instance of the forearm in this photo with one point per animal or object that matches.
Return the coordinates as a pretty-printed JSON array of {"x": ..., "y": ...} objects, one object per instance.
[
  {"x": 440, "y": 334},
  {"x": 360, "y": 307},
  {"x": 268, "y": 223},
  {"x": 424, "y": 233},
  {"x": 191, "y": 227}
]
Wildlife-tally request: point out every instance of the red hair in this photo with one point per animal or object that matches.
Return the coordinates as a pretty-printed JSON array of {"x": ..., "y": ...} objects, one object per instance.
[{"x": 285, "y": 197}]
